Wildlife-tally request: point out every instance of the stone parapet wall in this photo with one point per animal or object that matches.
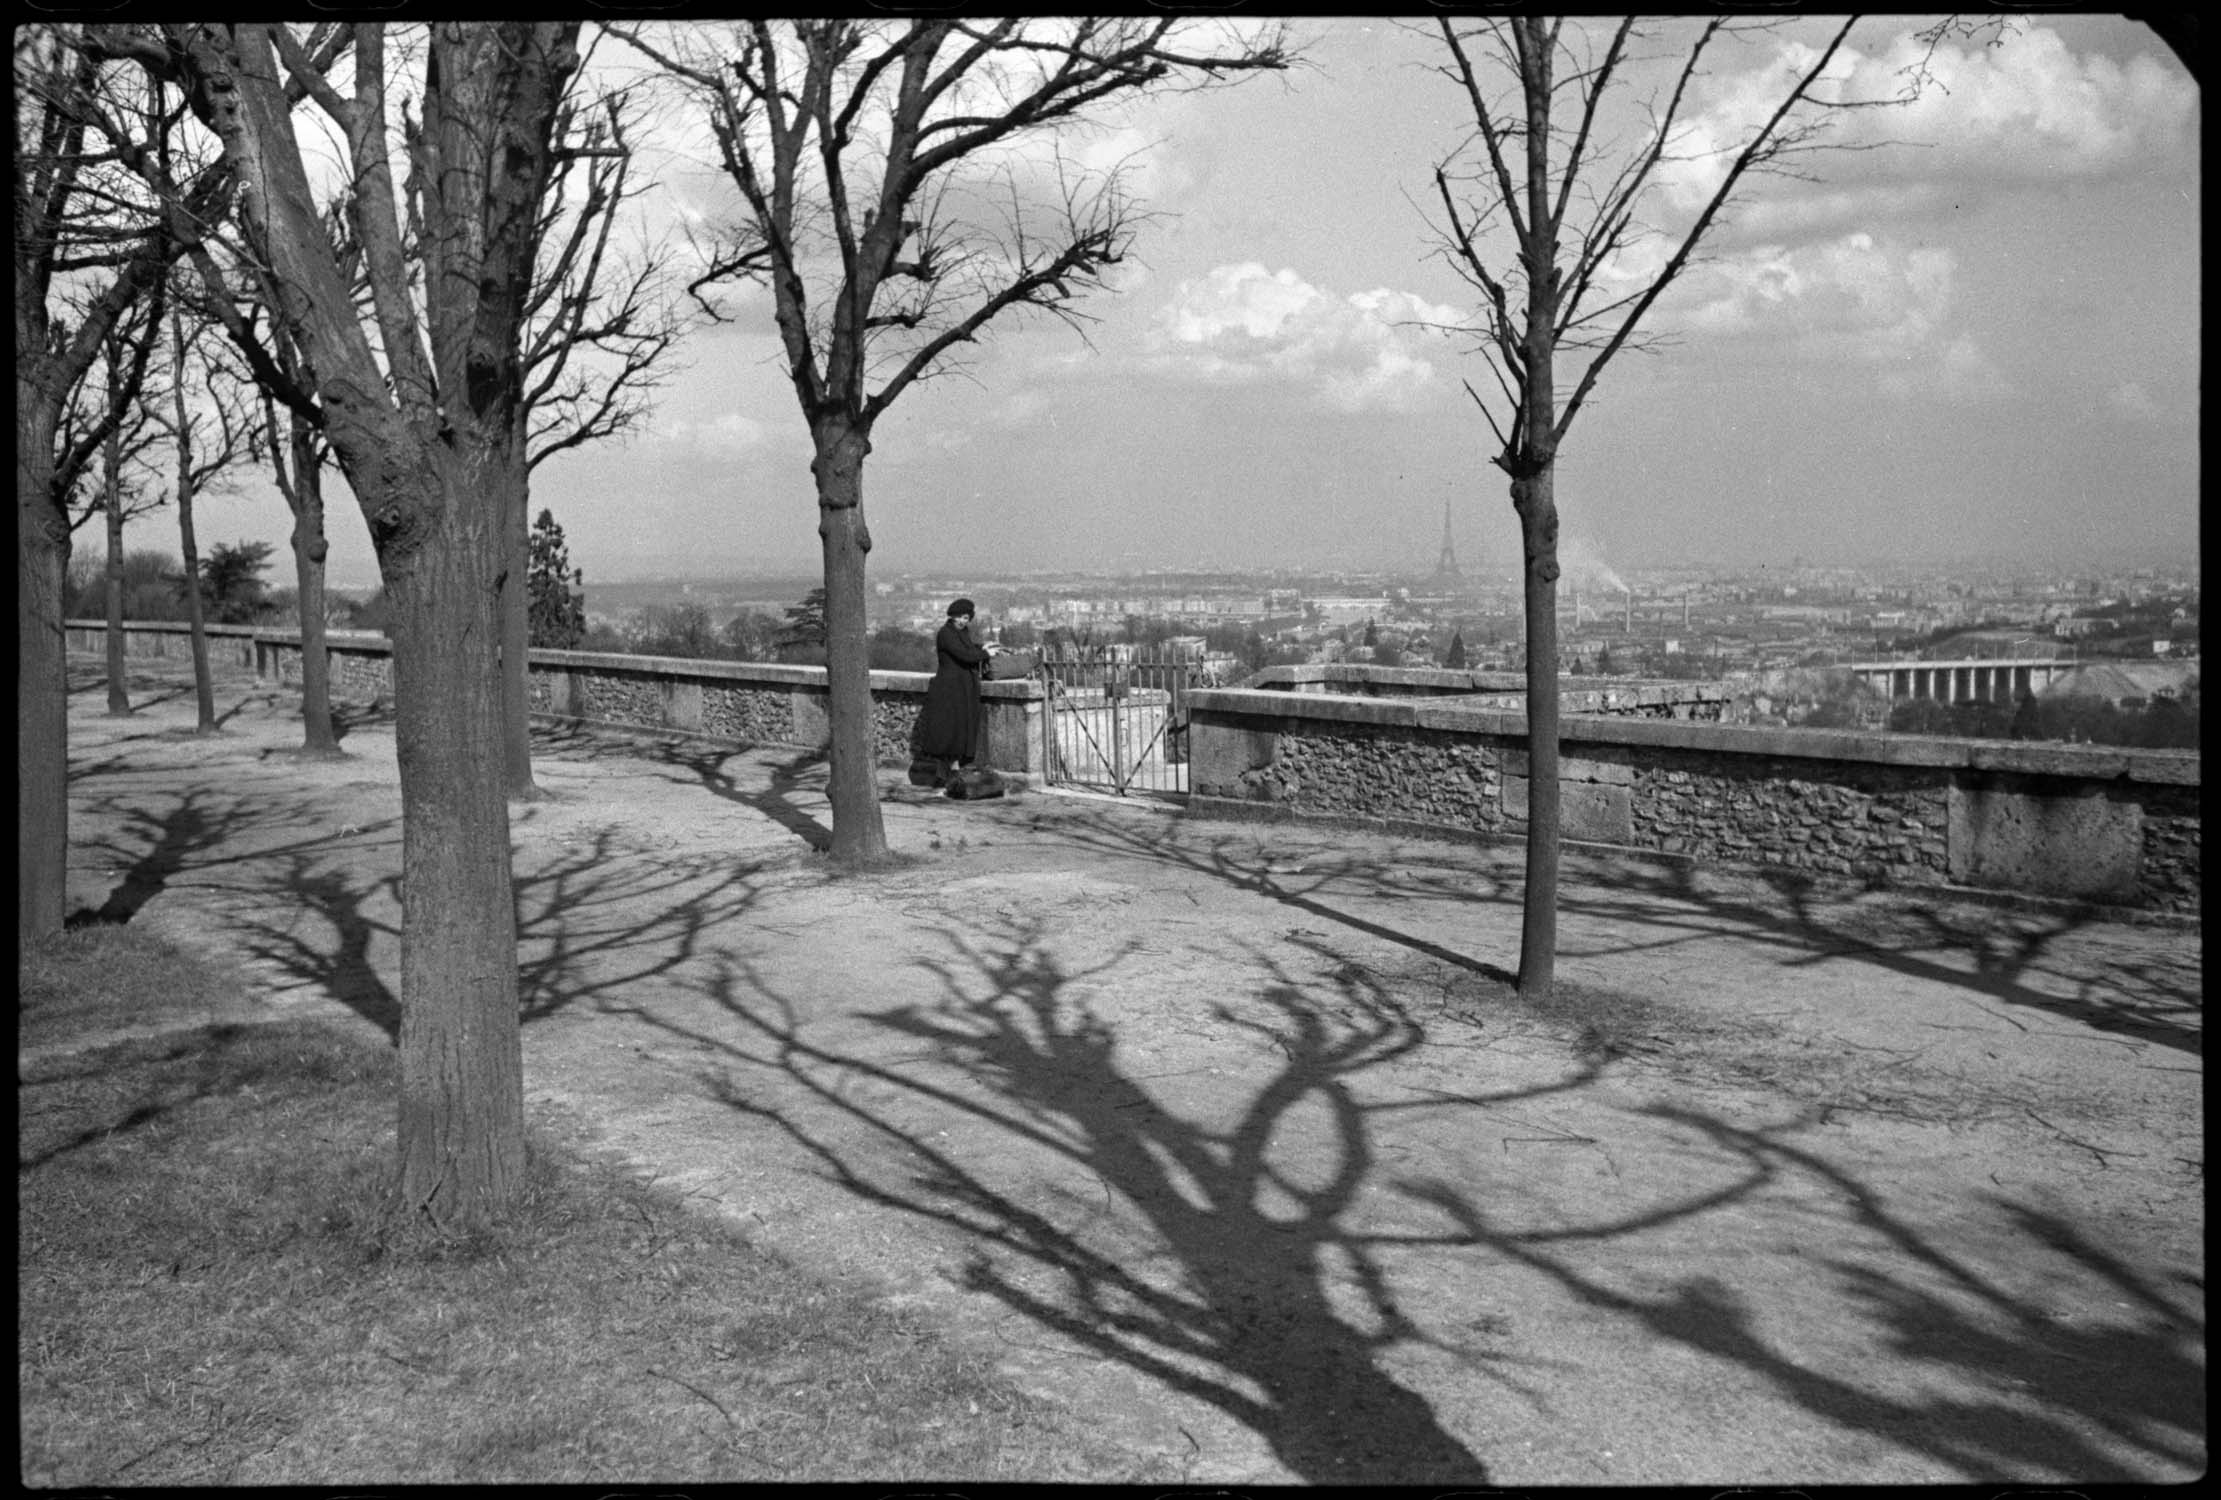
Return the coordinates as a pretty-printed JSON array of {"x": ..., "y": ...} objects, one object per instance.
[
  {"x": 2101, "y": 824},
  {"x": 2088, "y": 823},
  {"x": 2168, "y": 874},
  {"x": 359, "y": 662},
  {"x": 226, "y": 643},
  {"x": 749, "y": 715},
  {"x": 1878, "y": 823},
  {"x": 743, "y": 703}
]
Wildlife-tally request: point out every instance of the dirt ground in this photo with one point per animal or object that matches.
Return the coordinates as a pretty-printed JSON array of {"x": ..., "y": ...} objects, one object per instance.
[{"x": 1235, "y": 1138}]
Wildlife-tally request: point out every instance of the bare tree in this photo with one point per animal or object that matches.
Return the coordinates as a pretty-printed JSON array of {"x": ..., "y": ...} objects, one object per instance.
[
  {"x": 114, "y": 407},
  {"x": 234, "y": 290},
  {"x": 82, "y": 226},
  {"x": 297, "y": 453},
  {"x": 207, "y": 442},
  {"x": 600, "y": 325},
  {"x": 1541, "y": 167},
  {"x": 885, "y": 201},
  {"x": 423, "y": 426}
]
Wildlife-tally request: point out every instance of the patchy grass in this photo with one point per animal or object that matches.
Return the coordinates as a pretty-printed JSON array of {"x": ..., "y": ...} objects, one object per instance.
[
  {"x": 104, "y": 977},
  {"x": 210, "y": 1294}
]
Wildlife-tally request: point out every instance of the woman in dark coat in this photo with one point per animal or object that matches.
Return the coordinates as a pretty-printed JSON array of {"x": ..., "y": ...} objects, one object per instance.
[{"x": 951, "y": 724}]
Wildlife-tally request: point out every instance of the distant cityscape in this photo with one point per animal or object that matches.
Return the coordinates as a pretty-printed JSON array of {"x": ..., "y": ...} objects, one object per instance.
[{"x": 1771, "y": 632}]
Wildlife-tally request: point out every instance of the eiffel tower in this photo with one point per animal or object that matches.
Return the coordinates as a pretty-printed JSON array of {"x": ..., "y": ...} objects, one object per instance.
[{"x": 1446, "y": 566}]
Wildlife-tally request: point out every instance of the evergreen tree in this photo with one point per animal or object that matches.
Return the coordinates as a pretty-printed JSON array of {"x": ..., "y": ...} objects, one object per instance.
[
  {"x": 1454, "y": 658},
  {"x": 556, "y": 609},
  {"x": 231, "y": 581},
  {"x": 804, "y": 632}
]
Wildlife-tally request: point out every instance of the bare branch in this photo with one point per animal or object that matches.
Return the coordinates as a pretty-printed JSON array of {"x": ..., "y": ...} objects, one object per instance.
[
  {"x": 303, "y": 72},
  {"x": 1764, "y": 143}
]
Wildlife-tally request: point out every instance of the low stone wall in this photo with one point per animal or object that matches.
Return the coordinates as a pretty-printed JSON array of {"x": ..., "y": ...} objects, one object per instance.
[
  {"x": 2089, "y": 823},
  {"x": 360, "y": 663},
  {"x": 226, "y": 643},
  {"x": 744, "y": 703},
  {"x": 2092, "y": 823}
]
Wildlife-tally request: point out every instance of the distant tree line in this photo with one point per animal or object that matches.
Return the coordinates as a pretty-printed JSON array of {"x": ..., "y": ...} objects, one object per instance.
[
  {"x": 2161, "y": 723},
  {"x": 232, "y": 588},
  {"x": 687, "y": 630}
]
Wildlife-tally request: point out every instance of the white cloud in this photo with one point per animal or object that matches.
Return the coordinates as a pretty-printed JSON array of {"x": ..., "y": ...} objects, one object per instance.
[
  {"x": 1856, "y": 295},
  {"x": 1243, "y": 323},
  {"x": 1854, "y": 300},
  {"x": 2029, "y": 107},
  {"x": 2026, "y": 109}
]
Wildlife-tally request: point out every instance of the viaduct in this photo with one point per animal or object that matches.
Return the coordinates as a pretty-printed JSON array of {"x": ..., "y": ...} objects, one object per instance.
[{"x": 1953, "y": 681}]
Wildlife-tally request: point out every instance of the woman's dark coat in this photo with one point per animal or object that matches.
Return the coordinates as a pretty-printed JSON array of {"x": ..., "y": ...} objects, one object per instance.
[{"x": 950, "y": 725}]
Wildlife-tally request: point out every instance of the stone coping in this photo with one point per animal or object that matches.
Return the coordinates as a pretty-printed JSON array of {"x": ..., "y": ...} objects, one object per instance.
[
  {"x": 175, "y": 627},
  {"x": 2082, "y": 762},
  {"x": 758, "y": 673},
  {"x": 1464, "y": 681}
]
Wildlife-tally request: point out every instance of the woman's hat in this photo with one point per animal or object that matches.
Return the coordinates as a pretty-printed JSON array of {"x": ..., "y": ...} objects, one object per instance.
[{"x": 961, "y": 607}]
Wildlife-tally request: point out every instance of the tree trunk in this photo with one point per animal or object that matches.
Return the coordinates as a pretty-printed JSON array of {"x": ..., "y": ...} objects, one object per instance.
[
  {"x": 119, "y": 698},
  {"x": 462, "y": 1088},
  {"x": 42, "y": 673},
  {"x": 516, "y": 632},
  {"x": 859, "y": 834},
  {"x": 204, "y": 687},
  {"x": 1534, "y": 496},
  {"x": 1535, "y": 501},
  {"x": 309, "y": 550}
]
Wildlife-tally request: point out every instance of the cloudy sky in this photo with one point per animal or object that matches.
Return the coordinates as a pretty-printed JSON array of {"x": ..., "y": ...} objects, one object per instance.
[{"x": 1977, "y": 340}]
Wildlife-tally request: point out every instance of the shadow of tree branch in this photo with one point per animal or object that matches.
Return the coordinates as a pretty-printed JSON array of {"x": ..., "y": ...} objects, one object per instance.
[
  {"x": 1252, "y": 1313},
  {"x": 2142, "y": 1384}
]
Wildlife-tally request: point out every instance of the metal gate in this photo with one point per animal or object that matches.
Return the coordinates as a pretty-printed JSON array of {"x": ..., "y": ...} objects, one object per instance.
[{"x": 1117, "y": 726}]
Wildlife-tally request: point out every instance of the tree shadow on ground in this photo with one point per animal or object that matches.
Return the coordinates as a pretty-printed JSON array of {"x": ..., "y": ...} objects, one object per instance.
[
  {"x": 2139, "y": 1382},
  {"x": 141, "y": 1082},
  {"x": 1994, "y": 953},
  {"x": 144, "y": 691},
  {"x": 592, "y": 921},
  {"x": 207, "y": 833},
  {"x": 1272, "y": 1307},
  {"x": 267, "y": 699},
  {"x": 581, "y": 927},
  {"x": 340, "y": 965},
  {"x": 778, "y": 802},
  {"x": 1307, "y": 885},
  {"x": 1998, "y": 954},
  {"x": 88, "y": 770},
  {"x": 172, "y": 839},
  {"x": 706, "y": 763},
  {"x": 200, "y": 832},
  {"x": 1972, "y": 1365}
]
